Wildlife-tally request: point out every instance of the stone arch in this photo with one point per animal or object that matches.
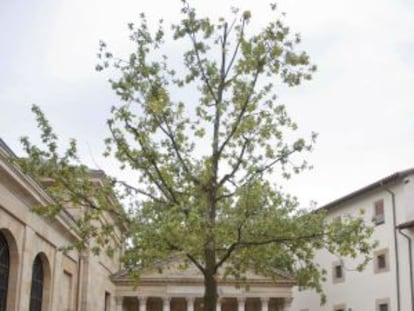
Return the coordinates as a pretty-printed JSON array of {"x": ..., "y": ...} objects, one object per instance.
[
  {"x": 40, "y": 285},
  {"x": 13, "y": 268}
]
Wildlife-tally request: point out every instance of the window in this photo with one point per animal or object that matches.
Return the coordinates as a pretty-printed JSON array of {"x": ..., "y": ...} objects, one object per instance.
[
  {"x": 4, "y": 271},
  {"x": 36, "y": 292},
  {"x": 340, "y": 307},
  {"x": 383, "y": 305},
  {"x": 381, "y": 261},
  {"x": 379, "y": 212},
  {"x": 338, "y": 272}
]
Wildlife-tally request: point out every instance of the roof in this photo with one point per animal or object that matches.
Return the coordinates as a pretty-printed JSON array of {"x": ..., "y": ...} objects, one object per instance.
[
  {"x": 383, "y": 182},
  {"x": 174, "y": 274}
]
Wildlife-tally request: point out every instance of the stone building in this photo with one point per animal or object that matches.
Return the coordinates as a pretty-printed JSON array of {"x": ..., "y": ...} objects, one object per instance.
[
  {"x": 36, "y": 276},
  {"x": 177, "y": 290}
]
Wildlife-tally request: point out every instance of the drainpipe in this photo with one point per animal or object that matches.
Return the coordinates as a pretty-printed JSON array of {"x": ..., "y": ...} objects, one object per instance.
[
  {"x": 410, "y": 260},
  {"x": 397, "y": 264}
]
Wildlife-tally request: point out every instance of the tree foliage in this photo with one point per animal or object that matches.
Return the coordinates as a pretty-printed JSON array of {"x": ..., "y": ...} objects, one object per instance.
[{"x": 209, "y": 142}]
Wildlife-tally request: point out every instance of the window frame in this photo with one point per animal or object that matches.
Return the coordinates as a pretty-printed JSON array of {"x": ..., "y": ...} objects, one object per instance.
[
  {"x": 379, "y": 218},
  {"x": 385, "y": 254},
  {"x": 382, "y": 301},
  {"x": 340, "y": 307}
]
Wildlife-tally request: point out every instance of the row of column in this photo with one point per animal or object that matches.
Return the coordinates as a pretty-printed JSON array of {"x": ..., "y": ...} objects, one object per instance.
[{"x": 190, "y": 304}]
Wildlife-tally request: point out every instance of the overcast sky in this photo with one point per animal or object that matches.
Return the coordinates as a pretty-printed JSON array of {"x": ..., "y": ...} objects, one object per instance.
[{"x": 361, "y": 101}]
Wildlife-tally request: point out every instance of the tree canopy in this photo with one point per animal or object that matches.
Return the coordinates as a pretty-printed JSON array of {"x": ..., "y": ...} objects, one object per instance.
[{"x": 209, "y": 142}]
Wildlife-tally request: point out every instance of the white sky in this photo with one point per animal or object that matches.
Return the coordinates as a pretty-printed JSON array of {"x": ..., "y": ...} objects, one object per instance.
[{"x": 361, "y": 101}]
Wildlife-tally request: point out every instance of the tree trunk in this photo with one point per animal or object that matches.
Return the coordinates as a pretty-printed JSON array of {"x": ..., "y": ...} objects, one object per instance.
[
  {"x": 210, "y": 287},
  {"x": 210, "y": 283}
]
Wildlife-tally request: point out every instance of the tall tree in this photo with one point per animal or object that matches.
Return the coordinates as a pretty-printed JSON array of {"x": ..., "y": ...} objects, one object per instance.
[{"x": 208, "y": 141}]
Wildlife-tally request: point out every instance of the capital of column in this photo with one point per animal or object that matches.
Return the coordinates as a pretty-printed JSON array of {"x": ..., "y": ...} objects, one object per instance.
[
  {"x": 265, "y": 303},
  {"x": 241, "y": 301},
  {"x": 142, "y": 303},
  {"x": 190, "y": 303},
  {"x": 166, "y": 303},
  {"x": 218, "y": 305}
]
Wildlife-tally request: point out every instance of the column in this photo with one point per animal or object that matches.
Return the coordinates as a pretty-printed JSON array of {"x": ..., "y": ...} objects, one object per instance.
[
  {"x": 118, "y": 302},
  {"x": 265, "y": 303},
  {"x": 240, "y": 301},
  {"x": 142, "y": 303},
  {"x": 166, "y": 304},
  {"x": 218, "y": 307},
  {"x": 190, "y": 303},
  {"x": 287, "y": 304}
]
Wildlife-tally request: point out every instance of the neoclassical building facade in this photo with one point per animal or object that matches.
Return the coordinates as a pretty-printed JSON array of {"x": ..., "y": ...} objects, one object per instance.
[
  {"x": 35, "y": 275},
  {"x": 178, "y": 290}
]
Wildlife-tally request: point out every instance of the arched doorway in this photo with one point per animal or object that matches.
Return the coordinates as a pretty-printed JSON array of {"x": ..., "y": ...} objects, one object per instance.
[{"x": 4, "y": 271}]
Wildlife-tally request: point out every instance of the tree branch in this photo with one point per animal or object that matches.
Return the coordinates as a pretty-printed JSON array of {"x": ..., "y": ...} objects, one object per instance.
[
  {"x": 193, "y": 38},
  {"x": 242, "y": 112},
  {"x": 238, "y": 163},
  {"x": 196, "y": 263},
  {"x": 152, "y": 161},
  {"x": 169, "y": 133}
]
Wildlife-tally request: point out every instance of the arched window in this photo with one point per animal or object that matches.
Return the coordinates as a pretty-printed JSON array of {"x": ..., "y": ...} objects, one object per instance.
[
  {"x": 36, "y": 292},
  {"x": 4, "y": 271}
]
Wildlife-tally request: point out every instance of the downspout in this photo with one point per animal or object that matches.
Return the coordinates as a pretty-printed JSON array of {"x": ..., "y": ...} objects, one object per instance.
[
  {"x": 397, "y": 265},
  {"x": 410, "y": 260}
]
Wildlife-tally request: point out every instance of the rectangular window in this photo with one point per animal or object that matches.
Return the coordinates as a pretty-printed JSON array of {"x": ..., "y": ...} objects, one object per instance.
[
  {"x": 383, "y": 307},
  {"x": 379, "y": 212},
  {"x": 339, "y": 308},
  {"x": 383, "y": 304},
  {"x": 338, "y": 274},
  {"x": 381, "y": 261}
]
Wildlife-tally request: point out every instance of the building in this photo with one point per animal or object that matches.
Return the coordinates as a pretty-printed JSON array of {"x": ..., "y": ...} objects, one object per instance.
[
  {"x": 386, "y": 284},
  {"x": 182, "y": 290},
  {"x": 36, "y": 276}
]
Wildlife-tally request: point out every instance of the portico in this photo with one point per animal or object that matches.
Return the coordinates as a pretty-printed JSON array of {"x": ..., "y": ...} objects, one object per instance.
[{"x": 177, "y": 290}]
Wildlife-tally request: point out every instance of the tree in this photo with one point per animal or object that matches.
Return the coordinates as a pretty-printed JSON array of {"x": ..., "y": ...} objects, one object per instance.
[{"x": 206, "y": 141}]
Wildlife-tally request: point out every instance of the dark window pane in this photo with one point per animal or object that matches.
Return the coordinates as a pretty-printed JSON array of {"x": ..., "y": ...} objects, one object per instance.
[
  {"x": 4, "y": 271},
  {"x": 36, "y": 293},
  {"x": 383, "y": 307}
]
